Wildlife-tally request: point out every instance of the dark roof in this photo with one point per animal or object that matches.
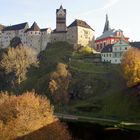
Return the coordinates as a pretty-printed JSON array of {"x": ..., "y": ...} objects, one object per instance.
[
  {"x": 43, "y": 30},
  {"x": 61, "y": 7},
  {"x": 34, "y": 27},
  {"x": 107, "y": 48},
  {"x": 135, "y": 44},
  {"x": 15, "y": 27},
  {"x": 54, "y": 31},
  {"x": 106, "y": 28},
  {"x": 81, "y": 23}
]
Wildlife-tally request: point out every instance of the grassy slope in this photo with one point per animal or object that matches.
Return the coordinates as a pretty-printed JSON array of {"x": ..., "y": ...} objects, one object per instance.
[
  {"x": 110, "y": 97},
  {"x": 38, "y": 78},
  {"x": 101, "y": 89},
  {"x": 112, "y": 100}
]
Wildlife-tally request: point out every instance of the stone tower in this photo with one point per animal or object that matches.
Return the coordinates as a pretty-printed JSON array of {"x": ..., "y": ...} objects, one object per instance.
[{"x": 61, "y": 19}]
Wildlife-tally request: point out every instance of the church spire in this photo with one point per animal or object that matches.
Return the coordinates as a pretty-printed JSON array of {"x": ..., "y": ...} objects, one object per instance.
[
  {"x": 61, "y": 7},
  {"x": 106, "y": 28}
]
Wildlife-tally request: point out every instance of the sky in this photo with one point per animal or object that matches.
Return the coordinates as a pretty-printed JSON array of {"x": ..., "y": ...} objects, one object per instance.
[{"x": 123, "y": 14}]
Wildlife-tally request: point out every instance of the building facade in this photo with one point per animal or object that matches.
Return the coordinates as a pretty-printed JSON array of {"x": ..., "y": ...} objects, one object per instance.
[
  {"x": 77, "y": 33},
  {"x": 33, "y": 37},
  {"x": 109, "y": 36},
  {"x": 113, "y": 53}
]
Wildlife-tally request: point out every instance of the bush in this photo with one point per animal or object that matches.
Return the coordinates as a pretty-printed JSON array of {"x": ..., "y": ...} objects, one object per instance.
[
  {"x": 29, "y": 115},
  {"x": 59, "y": 83},
  {"x": 86, "y": 50},
  {"x": 131, "y": 66}
]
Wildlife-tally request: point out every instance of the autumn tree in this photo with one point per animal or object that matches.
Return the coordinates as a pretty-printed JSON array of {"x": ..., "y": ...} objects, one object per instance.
[
  {"x": 29, "y": 116},
  {"x": 59, "y": 83},
  {"x": 16, "y": 61},
  {"x": 131, "y": 66},
  {"x": 86, "y": 50}
]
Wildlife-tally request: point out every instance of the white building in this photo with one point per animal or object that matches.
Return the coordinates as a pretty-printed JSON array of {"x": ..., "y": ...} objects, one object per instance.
[
  {"x": 33, "y": 37},
  {"x": 113, "y": 53},
  {"x": 77, "y": 33}
]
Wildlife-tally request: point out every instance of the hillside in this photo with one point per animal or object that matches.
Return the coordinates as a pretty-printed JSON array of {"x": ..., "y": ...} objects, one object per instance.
[{"x": 96, "y": 89}]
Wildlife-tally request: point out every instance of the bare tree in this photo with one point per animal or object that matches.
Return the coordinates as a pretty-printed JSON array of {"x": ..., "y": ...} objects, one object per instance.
[{"x": 17, "y": 61}]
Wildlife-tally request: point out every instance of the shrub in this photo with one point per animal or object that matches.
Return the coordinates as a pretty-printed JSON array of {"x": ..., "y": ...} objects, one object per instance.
[
  {"x": 30, "y": 115},
  {"x": 131, "y": 66}
]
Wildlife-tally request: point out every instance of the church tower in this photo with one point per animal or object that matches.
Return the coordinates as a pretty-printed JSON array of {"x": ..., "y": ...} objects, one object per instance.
[
  {"x": 61, "y": 19},
  {"x": 107, "y": 27}
]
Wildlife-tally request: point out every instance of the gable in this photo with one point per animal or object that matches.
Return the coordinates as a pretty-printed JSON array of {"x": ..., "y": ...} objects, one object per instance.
[
  {"x": 61, "y": 13},
  {"x": 121, "y": 43}
]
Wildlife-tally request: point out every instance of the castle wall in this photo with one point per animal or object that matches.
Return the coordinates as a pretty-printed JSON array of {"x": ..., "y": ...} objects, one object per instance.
[
  {"x": 33, "y": 40},
  {"x": 45, "y": 39},
  {"x": 58, "y": 37},
  {"x": 72, "y": 35},
  {"x": 85, "y": 36},
  {"x": 6, "y": 37}
]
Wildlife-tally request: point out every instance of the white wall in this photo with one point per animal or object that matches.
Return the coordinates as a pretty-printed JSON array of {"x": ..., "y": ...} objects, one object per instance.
[{"x": 85, "y": 36}]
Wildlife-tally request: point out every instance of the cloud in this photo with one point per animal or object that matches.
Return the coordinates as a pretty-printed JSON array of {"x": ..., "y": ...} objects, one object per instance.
[{"x": 108, "y": 4}]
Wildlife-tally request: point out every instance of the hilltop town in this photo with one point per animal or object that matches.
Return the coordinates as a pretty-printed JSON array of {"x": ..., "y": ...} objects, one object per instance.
[
  {"x": 111, "y": 44},
  {"x": 66, "y": 74}
]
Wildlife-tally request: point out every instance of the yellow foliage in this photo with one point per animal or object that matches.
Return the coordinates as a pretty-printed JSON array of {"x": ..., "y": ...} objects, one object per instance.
[
  {"x": 59, "y": 83},
  {"x": 28, "y": 113},
  {"x": 131, "y": 66},
  {"x": 18, "y": 60},
  {"x": 86, "y": 50}
]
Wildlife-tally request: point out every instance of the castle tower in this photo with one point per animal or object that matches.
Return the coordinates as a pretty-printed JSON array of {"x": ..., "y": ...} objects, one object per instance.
[
  {"x": 61, "y": 19},
  {"x": 107, "y": 27}
]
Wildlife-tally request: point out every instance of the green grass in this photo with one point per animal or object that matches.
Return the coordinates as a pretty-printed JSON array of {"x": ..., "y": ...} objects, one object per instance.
[
  {"x": 38, "y": 78},
  {"x": 82, "y": 66},
  {"x": 100, "y": 88}
]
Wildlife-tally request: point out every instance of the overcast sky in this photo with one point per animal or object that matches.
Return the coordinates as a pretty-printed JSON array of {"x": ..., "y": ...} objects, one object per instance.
[{"x": 123, "y": 14}]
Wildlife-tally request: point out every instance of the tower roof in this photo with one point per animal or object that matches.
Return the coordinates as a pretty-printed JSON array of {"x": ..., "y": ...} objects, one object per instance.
[
  {"x": 107, "y": 26},
  {"x": 61, "y": 7},
  {"x": 81, "y": 23},
  {"x": 34, "y": 27}
]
